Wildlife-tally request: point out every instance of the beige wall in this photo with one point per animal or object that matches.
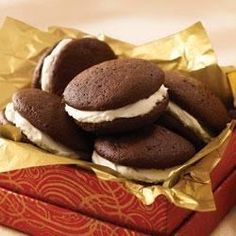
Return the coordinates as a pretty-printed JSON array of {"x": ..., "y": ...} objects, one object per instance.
[{"x": 134, "y": 20}]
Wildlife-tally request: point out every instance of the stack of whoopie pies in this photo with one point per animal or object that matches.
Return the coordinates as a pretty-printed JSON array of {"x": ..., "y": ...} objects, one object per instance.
[{"x": 126, "y": 114}]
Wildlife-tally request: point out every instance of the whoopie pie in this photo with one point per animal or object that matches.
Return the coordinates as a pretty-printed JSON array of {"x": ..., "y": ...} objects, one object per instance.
[
  {"x": 58, "y": 66},
  {"x": 194, "y": 110},
  {"x": 42, "y": 118},
  {"x": 147, "y": 155},
  {"x": 117, "y": 96}
]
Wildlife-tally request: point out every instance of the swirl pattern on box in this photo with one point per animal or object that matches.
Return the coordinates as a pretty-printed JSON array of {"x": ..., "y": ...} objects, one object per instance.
[{"x": 39, "y": 218}]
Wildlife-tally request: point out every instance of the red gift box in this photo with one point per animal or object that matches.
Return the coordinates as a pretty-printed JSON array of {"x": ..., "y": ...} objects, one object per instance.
[
  {"x": 76, "y": 190},
  {"x": 39, "y": 218}
]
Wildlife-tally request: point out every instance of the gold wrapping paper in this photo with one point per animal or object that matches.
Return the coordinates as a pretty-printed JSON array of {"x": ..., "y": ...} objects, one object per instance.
[
  {"x": 189, "y": 50},
  {"x": 231, "y": 73}
]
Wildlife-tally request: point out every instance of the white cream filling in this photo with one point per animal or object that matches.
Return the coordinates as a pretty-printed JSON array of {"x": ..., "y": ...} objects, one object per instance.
[
  {"x": 49, "y": 62},
  {"x": 139, "y": 108},
  {"x": 145, "y": 175},
  {"x": 189, "y": 121},
  {"x": 36, "y": 136}
]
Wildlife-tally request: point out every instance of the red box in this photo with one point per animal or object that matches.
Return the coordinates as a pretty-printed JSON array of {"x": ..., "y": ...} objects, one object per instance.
[
  {"x": 39, "y": 218},
  {"x": 76, "y": 190}
]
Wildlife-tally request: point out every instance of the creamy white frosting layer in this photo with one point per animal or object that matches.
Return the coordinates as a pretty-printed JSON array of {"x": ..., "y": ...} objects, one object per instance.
[
  {"x": 189, "y": 121},
  {"x": 145, "y": 175},
  {"x": 139, "y": 108},
  {"x": 35, "y": 135},
  {"x": 49, "y": 62}
]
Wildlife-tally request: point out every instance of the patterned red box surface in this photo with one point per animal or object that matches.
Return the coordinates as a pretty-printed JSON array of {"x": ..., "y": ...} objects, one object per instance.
[
  {"x": 39, "y": 218},
  {"x": 79, "y": 190}
]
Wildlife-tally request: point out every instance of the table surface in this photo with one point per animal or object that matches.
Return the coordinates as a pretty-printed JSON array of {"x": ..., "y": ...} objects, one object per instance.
[{"x": 137, "y": 21}]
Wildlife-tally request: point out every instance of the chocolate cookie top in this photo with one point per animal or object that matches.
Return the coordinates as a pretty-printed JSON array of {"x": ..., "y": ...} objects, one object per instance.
[
  {"x": 152, "y": 147},
  {"x": 46, "y": 112},
  {"x": 76, "y": 56},
  {"x": 113, "y": 84},
  {"x": 197, "y": 99}
]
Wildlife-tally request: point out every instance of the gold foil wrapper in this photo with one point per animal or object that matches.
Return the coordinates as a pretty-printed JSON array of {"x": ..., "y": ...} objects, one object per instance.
[
  {"x": 189, "y": 50},
  {"x": 230, "y": 71}
]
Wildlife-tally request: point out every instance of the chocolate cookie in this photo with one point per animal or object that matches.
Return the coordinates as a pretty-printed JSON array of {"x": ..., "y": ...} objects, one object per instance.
[
  {"x": 232, "y": 113},
  {"x": 171, "y": 122},
  {"x": 194, "y": 107},
  {"x": 116, "y": 96},
  {"x": 146, "y": 155},
  {"x": 42, "y": 118},
  {"x": 58, "y": 66}
]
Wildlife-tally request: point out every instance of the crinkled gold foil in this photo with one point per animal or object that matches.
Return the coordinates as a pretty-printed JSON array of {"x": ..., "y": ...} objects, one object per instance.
[
  {"x": 231, "y": 74},
  {"x": 189, "y": 50},
  {"x": 10, "y": 132}
]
